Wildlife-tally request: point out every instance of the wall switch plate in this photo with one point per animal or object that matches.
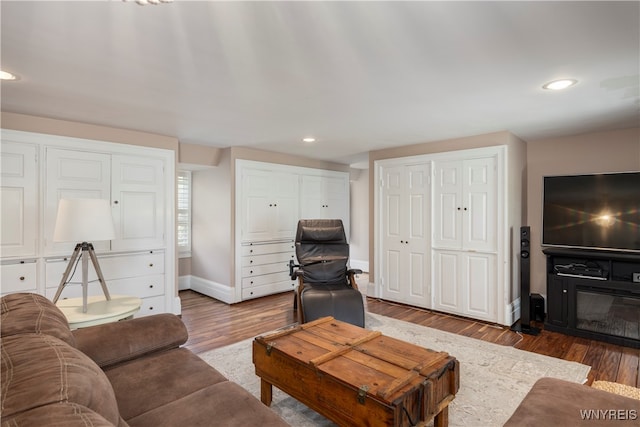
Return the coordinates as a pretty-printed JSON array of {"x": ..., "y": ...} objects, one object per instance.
[{"x": 636, "y": 277}]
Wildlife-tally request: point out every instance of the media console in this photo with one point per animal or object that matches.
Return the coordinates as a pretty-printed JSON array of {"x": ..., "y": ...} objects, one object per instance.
[{"x": 592, "y": 294}]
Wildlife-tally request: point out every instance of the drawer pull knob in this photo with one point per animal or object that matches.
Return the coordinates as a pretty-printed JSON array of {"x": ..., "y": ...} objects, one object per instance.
[
  {"x": 150, "y": 308},
  {"x": 150, "y": 286},
  {"x": 251, "y": 271},
  {"x": 251, "y": 251},
  {"x": 251, "y": 262},
  {"x": 151, "y": 265},
  {"x": 252, "y": 282},
  {"x": 21, "y": 277}
]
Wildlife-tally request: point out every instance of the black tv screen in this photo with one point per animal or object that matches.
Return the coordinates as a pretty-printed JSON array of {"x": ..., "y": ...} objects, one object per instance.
[{"x": 599, "y": 211}]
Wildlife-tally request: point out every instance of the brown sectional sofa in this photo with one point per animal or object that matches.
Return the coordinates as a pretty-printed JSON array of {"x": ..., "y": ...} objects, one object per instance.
[
  {"x": 130, "y": 373},
  {"x": 555, "y": 402}
]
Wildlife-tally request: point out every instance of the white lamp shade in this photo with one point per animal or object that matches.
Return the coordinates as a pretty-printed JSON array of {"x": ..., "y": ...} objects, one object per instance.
[{"x": 84, "y": 220}]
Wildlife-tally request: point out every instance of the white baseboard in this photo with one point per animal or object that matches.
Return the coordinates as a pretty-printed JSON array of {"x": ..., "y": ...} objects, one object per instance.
[
  {"x": 362, "y": 265},
  {"x": 184, "y": 283},
  {"x": 207, "y": 287}
]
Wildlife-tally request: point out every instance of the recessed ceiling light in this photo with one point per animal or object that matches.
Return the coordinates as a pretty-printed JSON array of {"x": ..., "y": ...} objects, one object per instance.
[
  {"x": 309, "y": 139},
  {"x": 560, "y": 84},
  {"x": 5, "y": 75}
]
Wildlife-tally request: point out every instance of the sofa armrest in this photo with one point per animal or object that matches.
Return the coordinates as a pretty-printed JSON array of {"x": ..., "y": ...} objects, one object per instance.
[{"x": 117, "y": 342}]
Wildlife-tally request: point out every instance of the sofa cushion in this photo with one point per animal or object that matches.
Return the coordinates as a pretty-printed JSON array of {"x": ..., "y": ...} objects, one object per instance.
[
  {"x": 116, "y": 342},
  {"x": 33, "y": 313},
  {"x": 158, "y": 379},
  {"x": 40, "y": 369},
  {"x": 222, "y": 404},
  {"x": 63, "y": 414},
  {"x": 554, "y": 402}
]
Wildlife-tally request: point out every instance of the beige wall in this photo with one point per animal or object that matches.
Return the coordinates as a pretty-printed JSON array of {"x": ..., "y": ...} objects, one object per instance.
[
  {"x": 184, "y": 266},
  {"x": 198, "y": 155},
  {"x": 87, "y": 131},
  {"x": 359, "y": 218},
  {"x": 615, "y": 151},
  {"x": 211, "y": 218}
]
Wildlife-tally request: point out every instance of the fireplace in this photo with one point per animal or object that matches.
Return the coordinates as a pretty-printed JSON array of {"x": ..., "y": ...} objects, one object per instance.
[
  {"x": 608, "y": 312},
  {"x": 601, "y": 302}
]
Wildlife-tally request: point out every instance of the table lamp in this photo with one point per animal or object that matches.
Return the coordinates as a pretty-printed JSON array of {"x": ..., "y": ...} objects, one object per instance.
[{"x": 83, "y": 221}]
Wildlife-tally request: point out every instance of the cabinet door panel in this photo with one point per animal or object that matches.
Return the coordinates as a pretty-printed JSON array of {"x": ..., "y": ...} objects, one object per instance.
[
  {"x": 138, "y": 202},
  {"x": 393, "y": 273},
  {"x": 417, "y": 285},
  {"x": 392, "y": 196},
  {"x": 448, "y": 205},
  {"x": 479, "y": 284},
  {"x": 73, "y": 174},
  {"x": 336, "y": 200},
  {"x": 480, "y": 197},
  {"x": 285, "y": 190},
  {"x": 311, "y": 196},
  {"x": 446, "y": 282},
  {"x": 18, "y": 196}
]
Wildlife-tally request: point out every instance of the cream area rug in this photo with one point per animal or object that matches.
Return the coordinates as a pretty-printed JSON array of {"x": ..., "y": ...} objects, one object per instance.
[{"x": 493, "y": 378}]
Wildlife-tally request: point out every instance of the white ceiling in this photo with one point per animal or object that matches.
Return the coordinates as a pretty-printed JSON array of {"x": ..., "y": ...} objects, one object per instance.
[{"x": 356, "y": 75}]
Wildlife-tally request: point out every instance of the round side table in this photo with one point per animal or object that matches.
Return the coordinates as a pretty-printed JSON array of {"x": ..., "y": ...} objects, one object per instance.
[{"x": 99, "y": 310}]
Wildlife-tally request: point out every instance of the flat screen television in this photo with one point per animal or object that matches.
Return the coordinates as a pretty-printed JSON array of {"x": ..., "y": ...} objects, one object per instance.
[{"x": 596, "y": 211}]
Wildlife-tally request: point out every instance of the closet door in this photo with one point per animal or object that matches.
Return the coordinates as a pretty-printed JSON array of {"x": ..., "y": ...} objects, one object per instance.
[
  {"x": 465, "y": 204},
  {"x": 406, "y": 204},
  {"x": 137, "y": 199},
  {"x": 19, "y": 199},
  {"x": 73, "y": 175},
  {"x": 479, "y": 208},
  {"x": 448, "y": 203}
]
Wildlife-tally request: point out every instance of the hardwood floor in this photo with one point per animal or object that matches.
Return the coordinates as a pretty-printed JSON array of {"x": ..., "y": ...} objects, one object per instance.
[{"x": 212, "y": 324}]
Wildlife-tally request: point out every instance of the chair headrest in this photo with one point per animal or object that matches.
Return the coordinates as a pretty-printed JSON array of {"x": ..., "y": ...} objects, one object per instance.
[{"x": 320, "y": 230}]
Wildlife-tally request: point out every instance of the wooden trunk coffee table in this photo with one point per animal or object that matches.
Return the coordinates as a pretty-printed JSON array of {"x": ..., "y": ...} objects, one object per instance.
[{"x": 357, "y": 377}]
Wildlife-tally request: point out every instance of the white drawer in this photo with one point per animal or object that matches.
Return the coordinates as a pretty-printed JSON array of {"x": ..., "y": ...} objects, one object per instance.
[
  {"x": 267, "y": 259},
  {"x": 257, "y": 270},
  {"x": 113, "y": 267},
  {"x": 272, "y": 288},
  {"x": 19, "y": 277},
  {"x": 153, "y": 305},
  {"x": 267, "y": 248},
  {"x": 141, "y": 287},
  {"x": 248, "y": 282}
]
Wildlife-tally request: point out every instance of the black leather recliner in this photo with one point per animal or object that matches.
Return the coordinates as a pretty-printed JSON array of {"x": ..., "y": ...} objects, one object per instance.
[{"x": 326, "y": 286}]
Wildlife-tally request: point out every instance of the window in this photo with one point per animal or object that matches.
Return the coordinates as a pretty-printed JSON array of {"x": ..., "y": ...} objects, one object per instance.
[{"x": 184, "y": 213}]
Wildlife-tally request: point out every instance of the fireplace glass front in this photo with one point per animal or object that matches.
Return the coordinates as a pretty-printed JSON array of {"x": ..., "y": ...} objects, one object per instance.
[{"x": 608, "y": 313}]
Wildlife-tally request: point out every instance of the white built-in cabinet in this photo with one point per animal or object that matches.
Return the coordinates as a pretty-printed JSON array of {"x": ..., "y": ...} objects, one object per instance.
[
  {"x": 38, "y": 170},
  {"x": 19, "y": 200},
  {"x": 441, "y": 235},
  {"x": 269, "y": 204},
  {"x": 465, "y": 240},
  {"x": 270, "y": 199},
  {"x": 324, "y": 197}
]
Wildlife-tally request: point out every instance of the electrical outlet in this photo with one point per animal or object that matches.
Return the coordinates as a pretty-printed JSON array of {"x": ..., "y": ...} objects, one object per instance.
[{"x": 636, "y": 277}]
